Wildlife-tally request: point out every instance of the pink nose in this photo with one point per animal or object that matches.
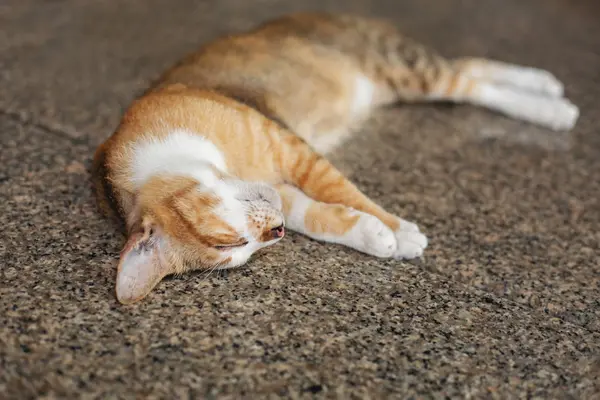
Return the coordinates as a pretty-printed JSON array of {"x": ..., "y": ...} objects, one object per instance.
[{"x": 278, "y": 232}]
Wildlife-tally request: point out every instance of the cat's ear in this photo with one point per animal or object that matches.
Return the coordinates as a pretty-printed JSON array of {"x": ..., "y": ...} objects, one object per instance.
[{"x": 141, "y": 266}]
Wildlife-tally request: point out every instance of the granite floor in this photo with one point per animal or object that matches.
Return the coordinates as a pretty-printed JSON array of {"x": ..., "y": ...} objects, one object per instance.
[{"x": 505, "y": 303}]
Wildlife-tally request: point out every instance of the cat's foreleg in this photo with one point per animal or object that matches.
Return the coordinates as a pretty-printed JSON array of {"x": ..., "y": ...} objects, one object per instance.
[
  {"x": 319, "y": 181},
  {"x": 336, "y": 223}
]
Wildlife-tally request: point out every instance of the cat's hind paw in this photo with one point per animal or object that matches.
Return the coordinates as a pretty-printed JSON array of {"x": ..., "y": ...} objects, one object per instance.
[
  {"x": 530, "y": 79},
  {"x": 566, "y": 115},
  {"x": 556, "y": 114},
  {"x": 542, "y": 81}
]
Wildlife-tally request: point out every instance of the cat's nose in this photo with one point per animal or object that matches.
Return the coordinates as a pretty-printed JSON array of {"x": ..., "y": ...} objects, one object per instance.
[{"x": 278, "y": 232}]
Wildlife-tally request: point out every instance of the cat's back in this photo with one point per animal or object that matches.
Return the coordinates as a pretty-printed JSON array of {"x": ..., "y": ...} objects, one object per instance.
[
  {"x": 280, "y": 51},
  {"x": 287, "y": 70}
]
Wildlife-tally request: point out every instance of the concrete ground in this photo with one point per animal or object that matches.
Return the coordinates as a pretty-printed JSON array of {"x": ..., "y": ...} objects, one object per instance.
[{"x": 504, "y": 305}]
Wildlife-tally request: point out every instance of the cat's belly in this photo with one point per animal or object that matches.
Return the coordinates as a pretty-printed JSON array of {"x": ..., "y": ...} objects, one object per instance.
[
  {"x": 326, "y": 142},
  {"x": 363, "y": 96},
  {"x": 358, "y": 108}
]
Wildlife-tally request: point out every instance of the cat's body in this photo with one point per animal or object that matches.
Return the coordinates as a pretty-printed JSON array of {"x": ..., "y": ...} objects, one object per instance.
[{"x": 207, "y": 165}]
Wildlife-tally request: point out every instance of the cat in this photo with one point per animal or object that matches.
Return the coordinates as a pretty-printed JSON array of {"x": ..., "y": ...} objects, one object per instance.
[{"x": 226, "y": 150}]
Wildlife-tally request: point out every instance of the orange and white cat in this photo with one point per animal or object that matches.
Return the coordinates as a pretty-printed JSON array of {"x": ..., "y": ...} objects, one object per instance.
[{"x": 210, "y": 164}]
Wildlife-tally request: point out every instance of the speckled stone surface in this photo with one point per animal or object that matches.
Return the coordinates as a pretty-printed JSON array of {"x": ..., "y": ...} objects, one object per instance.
[{"x": 505, "y": 303}]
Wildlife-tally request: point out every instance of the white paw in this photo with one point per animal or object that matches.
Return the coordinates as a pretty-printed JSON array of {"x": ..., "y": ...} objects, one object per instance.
[
  {"x": 410, "y": 242},
  {"x": 407, "y": 226},
  {"x": 557, "y": 114},
  {"x": 373, "y": 237},
  {"x": 541, "y": 81}
]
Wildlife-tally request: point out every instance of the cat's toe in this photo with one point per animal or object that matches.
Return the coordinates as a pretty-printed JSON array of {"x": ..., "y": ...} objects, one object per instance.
[
  {"x": 377, "y": 239},
  {"x": 556, "y": 114},
  {"x": 407, "y": 226},
  {"x": 550, "y": 85},
  {"x": 564, "y": 115},
  {"x": 542, "y": 81},
  {"x": 570, "y": 114},
  {"x": 410, "y": 245}
]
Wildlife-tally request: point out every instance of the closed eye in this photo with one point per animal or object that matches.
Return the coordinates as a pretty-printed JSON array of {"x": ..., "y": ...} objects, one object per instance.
[{"x": 230, "y": 246}]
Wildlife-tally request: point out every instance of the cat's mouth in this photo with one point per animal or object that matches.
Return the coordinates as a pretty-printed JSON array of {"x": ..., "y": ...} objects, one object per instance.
[
  {"x": 278, "y": 232},
  {"x": 272, "y": 235}
]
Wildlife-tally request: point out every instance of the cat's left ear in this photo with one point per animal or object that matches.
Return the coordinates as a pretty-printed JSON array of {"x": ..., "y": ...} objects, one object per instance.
[{"x": 142, "y": 265}]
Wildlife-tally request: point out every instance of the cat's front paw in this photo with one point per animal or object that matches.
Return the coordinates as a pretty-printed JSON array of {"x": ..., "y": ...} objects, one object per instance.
[
  {"x": 373, "y": 237},
  {"x": 410, "y": 241}
]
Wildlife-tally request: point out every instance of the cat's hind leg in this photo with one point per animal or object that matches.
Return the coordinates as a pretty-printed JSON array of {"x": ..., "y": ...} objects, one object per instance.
[
  {"x": 406, "y": 71},
  {"x": 529, "y": 79},
  {"x": 411, "y": 72},
  {"x": 336, "y": 223},
  {"x": 457, "y": 86}
]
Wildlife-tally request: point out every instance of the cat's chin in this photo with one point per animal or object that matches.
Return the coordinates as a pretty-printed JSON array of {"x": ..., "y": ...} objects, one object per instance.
[{"x": 242, "y": 256}]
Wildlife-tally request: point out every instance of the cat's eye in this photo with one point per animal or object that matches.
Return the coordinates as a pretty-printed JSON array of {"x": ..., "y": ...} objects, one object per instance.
[{"x": 230, "y": 246}]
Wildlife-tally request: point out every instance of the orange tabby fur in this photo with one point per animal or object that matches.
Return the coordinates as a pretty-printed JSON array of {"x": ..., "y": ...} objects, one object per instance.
[{"x": 271, "y": 102}]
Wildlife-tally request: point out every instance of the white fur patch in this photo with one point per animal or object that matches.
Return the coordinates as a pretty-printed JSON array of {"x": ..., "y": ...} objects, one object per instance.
[
  {"x": 231, "y": 210},
  {"x": 295, "y": 219},
  {"x": 364, "y": 90},
  {"x": 240, "y": 256},
  {"x": 554, "y": 113},
  {"x": 181, "y": 152},
  {"x": 526, "y": 78}
]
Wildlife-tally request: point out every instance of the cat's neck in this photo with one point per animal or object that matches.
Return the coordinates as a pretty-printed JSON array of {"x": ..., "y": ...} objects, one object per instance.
[{"x": 180, "y": 152}]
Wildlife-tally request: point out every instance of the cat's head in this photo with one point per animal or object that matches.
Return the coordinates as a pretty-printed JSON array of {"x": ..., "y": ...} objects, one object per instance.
[{"x": 178, "y": 224}]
